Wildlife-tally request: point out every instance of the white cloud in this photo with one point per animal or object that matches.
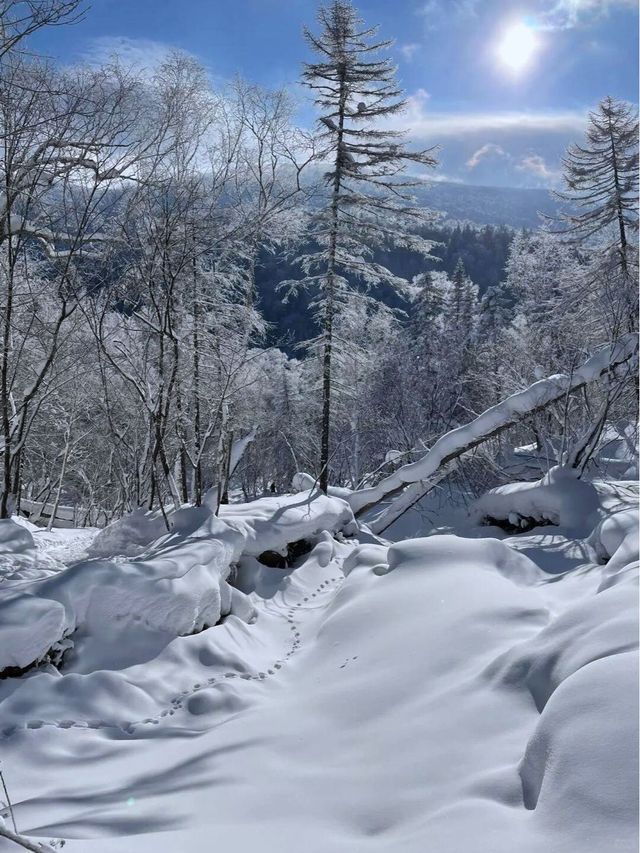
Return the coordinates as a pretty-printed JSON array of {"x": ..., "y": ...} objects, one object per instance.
[
  {"x": 438, "y": 12},
  {"x": 536, "y": 165},
  {"x": 409, "y": 50},
  {"x": 489, "y": 149},
  {"x": 553, "y": 14},
  {"x": 421, "y": 123},
  {"x": 140, "y": 54},
  {"x": 566, "y": 14}
]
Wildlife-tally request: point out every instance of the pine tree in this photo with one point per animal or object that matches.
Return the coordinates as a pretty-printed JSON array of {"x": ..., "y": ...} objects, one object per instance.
[
  {"x": 458, "y": 280},
  {"x": 427, "y": 308},
  {"x": 494, "y": 313},
  {"x": 462, "y": 305},
  {"x": 368, "y": 202},
  {"x": 601, "y": 180}
]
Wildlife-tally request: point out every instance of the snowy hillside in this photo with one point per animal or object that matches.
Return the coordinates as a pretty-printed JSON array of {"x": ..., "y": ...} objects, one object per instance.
[
  {"x": 441, "y": 694},
  {"x": 319, "y": 497},
  {"x": 514, "y": 206}
]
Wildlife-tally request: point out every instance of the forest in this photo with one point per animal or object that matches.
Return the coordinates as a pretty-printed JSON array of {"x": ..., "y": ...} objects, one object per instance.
[
  {"x": 144, "y": 235},
  {"x": 243, "y": 361}
]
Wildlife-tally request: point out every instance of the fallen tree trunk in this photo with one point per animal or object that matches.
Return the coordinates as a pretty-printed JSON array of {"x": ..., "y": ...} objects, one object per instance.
[
  {"x": 411, "y": 482},
  {"x": 24, "y": 842}
]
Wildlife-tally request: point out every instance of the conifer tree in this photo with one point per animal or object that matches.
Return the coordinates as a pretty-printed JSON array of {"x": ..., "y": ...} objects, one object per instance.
[
  {"x": 462, "y": 305},
  {"x": 427, "y": 307},
  {"x": 458, "y": 280},
  {"x": 601, "y": 181},
  {"x": 368, "y": 202}
]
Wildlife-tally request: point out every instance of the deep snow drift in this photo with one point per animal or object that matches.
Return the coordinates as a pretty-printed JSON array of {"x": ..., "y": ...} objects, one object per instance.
[{"x": 443, "y": 694}]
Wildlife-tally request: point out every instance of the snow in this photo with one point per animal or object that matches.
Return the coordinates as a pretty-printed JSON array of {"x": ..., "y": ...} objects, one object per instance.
[
  {"x": 27, "y": 633},
  {"x": 445, "y": 693},
  {"x": 615, "y": 540},
  {"x": 15, "y": 539},
  {"x": 559, "y": 498},
  {"x": 302, "y": 482},
  {"x": 129, "y": 534},
  {"x": 176, "y": 587},
  {"x": 432, "y": 466},
  {"x": 268, "y": 524}
]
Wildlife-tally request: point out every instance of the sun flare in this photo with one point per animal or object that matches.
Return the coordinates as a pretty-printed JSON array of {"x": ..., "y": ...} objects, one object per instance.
[{"x": 517, "y": 46}]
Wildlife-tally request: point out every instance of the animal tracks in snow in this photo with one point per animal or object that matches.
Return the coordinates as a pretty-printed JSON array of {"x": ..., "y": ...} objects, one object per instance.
[{"x": 198, "y": 699}]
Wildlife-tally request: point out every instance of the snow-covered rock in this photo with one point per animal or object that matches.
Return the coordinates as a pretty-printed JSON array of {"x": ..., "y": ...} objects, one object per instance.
[
  {"x": 29, "y": 628},
  {"x": 129, "y": 535}
]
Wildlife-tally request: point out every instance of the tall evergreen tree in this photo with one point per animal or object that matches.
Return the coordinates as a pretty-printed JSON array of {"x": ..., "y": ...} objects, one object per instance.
[
  {"x": 368, "y": 203},
  {"x": 458, "y": 282},
  {"x": 601, "y": 181},
  {"x": 427, "y": 307},
  {"x": 462, "y": 304}
]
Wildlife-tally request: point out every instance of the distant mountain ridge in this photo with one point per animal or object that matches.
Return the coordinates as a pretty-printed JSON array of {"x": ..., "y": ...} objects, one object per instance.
[{"x": 512, "y": 206}]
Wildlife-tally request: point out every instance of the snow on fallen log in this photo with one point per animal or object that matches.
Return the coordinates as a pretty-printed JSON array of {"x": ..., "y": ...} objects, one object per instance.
[
  {"x": 24, "y": 842},
  {"x": 302, "y": 482},
  {"x": 177, "y": 586},
  {"x": 558, "y": 498},
  {"x": 270, "y": 524},
  {"x": 417, "y": 478}
]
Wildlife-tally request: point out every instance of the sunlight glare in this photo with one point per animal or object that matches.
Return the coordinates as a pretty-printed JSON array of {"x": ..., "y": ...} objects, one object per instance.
[{"x": 518, "y": 44}]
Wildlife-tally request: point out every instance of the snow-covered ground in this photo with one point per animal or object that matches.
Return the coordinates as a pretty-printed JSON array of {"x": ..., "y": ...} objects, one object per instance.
[{"x": 471, "y": 692}]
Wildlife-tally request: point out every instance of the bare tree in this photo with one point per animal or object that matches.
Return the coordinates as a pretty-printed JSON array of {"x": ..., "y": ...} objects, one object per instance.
[
  {"x": 65, "y": 140},
  {"x": 21, "y": 18}
]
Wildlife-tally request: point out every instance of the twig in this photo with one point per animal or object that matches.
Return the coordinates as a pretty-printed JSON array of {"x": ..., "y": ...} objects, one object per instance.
[{"x": 9, "y": 804}]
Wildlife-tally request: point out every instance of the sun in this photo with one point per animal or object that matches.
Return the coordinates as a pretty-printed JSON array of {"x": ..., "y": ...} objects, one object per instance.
[{"x": 517, "y": 46}]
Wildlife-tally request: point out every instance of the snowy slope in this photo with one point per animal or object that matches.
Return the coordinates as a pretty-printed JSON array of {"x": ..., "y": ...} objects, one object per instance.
[{"x": 442, "y": 694}]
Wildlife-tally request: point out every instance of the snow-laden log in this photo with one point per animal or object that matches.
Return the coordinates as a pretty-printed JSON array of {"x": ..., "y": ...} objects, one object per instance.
[
  {"x": 24, "y": 842},
  {"x": 411, "y": 482}
]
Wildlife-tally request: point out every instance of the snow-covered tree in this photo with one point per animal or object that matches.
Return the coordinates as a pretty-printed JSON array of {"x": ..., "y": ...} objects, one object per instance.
[
  {"x": 601, "y": 185},
  {"x": 367, "y": 202},
  {"x": 65, "y": 142}
]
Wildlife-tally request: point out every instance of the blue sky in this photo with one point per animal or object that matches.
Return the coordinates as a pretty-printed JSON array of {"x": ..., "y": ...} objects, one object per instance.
[{"x": 496, "y": 124}]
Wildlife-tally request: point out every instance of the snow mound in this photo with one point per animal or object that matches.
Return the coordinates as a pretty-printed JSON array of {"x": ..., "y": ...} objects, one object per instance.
[
  {"x": 601, "y": 625},
  {"x": 435, "y": 552},
  {"x": 558, "y": 498},
  {"x": 15, "y": 540},
  {"x": 28, "y": 631},
  {"x": 615, "y": 540},
  {"x": 580, "y": 768},
  {"x": 129, "y": 535},
  {"x": 269, "y": 524},
  {"x": 177, "y": 586}
]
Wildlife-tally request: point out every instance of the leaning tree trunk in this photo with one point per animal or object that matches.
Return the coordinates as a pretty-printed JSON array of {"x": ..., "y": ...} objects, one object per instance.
[{"x": 412, "y": 482}]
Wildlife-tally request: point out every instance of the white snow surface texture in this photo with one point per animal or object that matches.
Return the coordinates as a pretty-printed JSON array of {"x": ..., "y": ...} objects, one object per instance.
[{"x": 446, "y": 694}]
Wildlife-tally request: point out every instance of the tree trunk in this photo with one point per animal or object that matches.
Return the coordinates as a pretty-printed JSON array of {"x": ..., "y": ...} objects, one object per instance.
[{"x": 330, "y": 293}]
